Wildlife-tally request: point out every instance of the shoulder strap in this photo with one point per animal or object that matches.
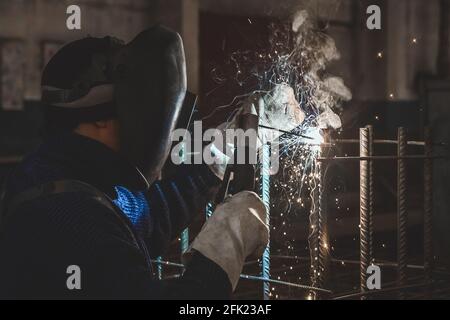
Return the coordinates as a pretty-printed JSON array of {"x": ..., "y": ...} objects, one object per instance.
[{"x": 65, "y": 186}]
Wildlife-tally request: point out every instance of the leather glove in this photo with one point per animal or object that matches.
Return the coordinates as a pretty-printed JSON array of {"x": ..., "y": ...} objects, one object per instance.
[{"x": 235, "y": 231}]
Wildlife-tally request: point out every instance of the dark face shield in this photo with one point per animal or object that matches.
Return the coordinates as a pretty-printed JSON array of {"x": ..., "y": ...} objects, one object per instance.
[
  {"x": 150, "y": 87},
  {"x": 142, "y": 83}
]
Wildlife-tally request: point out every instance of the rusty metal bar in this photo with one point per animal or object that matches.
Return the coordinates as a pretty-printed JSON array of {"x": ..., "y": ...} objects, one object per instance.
[
  {"x": 428, "y": 212},
  {"x": 318, "y": 236},
  {"x": 402, "y": 214},
  {"x": 364, "y": 207},
  {"x": 371, "y": 192}
]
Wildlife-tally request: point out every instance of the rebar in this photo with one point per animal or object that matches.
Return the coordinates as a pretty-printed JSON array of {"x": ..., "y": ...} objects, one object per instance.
[
  {"x": 402, "y": 215},
  {"x": 371, "y": 192},
  {"x": 250, "y": 277},
  {"x": 324, "y": 250},
  {"x": 318, "y": 234},
  {"x": 367, "y": 158},
  {"x": 428, "y": 212},
  {"x": 265, "y": 195},
  {"x": 159, "y": 268},
  {"x": 381, "y": 291},
  {"x": 364, "y": 208},
  {"x": 184, "y": 240}
]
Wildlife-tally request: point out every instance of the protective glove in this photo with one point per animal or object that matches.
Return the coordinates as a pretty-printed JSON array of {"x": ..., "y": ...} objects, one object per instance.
[
  {"x": 276, "y": 109},
  {"x": 235, "y": 231}
]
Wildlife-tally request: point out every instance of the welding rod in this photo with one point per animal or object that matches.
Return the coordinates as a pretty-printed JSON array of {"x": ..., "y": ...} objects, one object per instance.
[{"x": 286, "y": 132}]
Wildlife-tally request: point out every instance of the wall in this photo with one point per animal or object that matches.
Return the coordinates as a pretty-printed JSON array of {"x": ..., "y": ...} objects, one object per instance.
[
  {"x": 402, "y": 21},
  {"x": 36, "y": 21}
]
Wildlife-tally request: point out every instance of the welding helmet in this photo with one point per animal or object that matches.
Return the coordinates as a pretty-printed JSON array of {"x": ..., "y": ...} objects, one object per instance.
[{"x": 142, "y": 84}]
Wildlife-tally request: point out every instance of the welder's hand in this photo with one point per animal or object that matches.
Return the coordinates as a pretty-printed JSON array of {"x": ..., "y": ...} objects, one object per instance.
[{"x": 235, "y": 231}]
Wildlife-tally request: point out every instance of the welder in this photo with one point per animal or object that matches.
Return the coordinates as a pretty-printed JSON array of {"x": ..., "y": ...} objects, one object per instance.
[{"x": 90, "y": 195}]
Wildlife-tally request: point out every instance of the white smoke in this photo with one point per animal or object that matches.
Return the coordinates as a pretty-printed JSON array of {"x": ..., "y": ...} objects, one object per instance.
[
  {"x": 320, "y": 95},
  {"x": 315, "y": 50}
]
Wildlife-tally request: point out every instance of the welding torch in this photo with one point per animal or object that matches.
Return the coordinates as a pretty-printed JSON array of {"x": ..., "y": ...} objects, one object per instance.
[{"x": 241, "y": 176}]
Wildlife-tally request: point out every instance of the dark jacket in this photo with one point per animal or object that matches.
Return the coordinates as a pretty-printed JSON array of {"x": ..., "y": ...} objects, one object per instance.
[{"x": 44, "y": 236}]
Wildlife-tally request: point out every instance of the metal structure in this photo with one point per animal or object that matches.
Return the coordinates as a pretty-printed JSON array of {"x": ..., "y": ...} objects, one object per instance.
[
  {"x": 265, "y": 195},
  {"x": 366, "y": 159},
  {"x": 402, "y": 214},
  {"x": 320, "y": 257},
  {"x": 365, "y": 226}
]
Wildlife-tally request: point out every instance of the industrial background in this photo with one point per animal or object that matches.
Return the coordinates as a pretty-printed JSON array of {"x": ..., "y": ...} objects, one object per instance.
[{"x": 399, "y": 77}]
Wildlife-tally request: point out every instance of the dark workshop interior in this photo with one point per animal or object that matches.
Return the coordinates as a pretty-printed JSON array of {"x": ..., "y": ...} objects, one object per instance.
[{"x": 381, "y": 179}]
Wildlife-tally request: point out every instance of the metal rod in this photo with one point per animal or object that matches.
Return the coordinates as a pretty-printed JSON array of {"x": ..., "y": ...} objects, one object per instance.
[
  {"x": 287, "y": 132},
  {"x": 428, "y": 212},
  {"x": 342, "y": 141},
  {"x": 167, "y": 263},
  {"x": 159, "y": 269},
  {"x": 250, "y": 277},
  {"x": 378, "y": 263},
  {"x": 360, "y": 158},
  {"x": 402, "y": 214},
  {"x": 376, "y": 141},
  {"x": 371, "y": 192},
  {"x": 315, "y": 231},
  {"x": 265, "y": 195},
  {"x": 364, "y": 208},
  {"x": 290, "y": 284},
  {"x": 323, "y": 241},
  {"x": 184, "y": 240},
  {"x": 184, "y": 243},
  {"x": 374, "y": 292}
]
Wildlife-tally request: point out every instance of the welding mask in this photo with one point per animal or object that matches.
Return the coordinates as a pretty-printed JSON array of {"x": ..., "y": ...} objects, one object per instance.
[{"x": 142, "y": 84}]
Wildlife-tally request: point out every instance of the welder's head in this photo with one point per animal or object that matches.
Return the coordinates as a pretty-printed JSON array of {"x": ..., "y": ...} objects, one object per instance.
[{"x": 131, "y": 94}]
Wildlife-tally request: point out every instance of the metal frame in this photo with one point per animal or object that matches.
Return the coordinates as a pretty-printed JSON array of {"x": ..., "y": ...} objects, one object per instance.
[
  {"x": 366, "y": 159},
  {"x": 321, "y": 258}
]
